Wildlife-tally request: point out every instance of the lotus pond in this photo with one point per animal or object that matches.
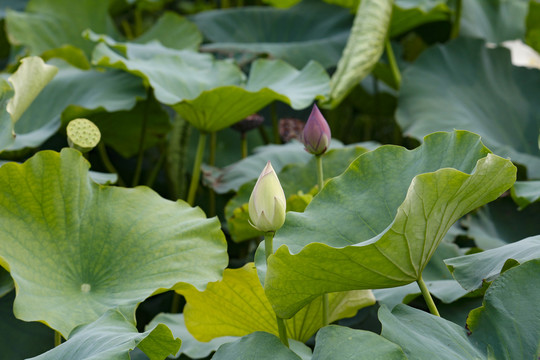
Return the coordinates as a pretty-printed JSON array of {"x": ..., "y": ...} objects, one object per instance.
[{"x": 269, "y": 179}]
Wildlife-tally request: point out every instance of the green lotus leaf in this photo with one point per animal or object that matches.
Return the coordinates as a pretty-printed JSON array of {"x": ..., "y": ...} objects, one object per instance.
[
  {"x": 49, "y": 24},
  {"x": 473, "y": 270},
  {"x": 112, "y": 336},
  {"x": 500, "y": 223},
  {"x": 525, "y": 193},
  {"x": 93, "y": 247},
  {"x": 190, "y": 346},
  {"x": 298, "y": 178},
  {"x": 258, "y": 345},
  {"x": 18, "y": 5},
  {"x": 173, "y": 31},
  {"x": 507, "y": 323},
  {"x": 338, "y": 342},
  {"x": 28, "y": 81},
  {"x": 363, "y": 50},
  {"x": 437, "y": 277},
  {"x": 20, "y": 339},
  {"x": 202, "y": 89},
  {"x": 71, "y": 93},
  {"x": 237, "y": 306},
  {"x": 311, "y": 30},
  {"x": 465, "y": 79},
  {"x": 422, "y": 335},
  {"x": 494, "y": 21},
  {"x": 389, "y": 202}
]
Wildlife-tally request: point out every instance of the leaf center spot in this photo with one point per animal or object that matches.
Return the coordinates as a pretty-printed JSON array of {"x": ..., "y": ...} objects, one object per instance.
[{"x": 86, "y": 288}]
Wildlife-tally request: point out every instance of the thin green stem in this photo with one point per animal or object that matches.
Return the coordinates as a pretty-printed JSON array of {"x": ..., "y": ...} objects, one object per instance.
[
  {"x": 427, "y": 296},
  {"x": 107, "y": 162},
  {"x": 275, "y": 123},
  {"x": 282, "y": 331},
  {"x": 127, "y": 30},
  {"x": 269, "y": 250},
  {"x": 264, "y": 135},
  {"x": 196, "y": 173},
  {"x": 57, "y": 338},
  {"x": 142, "y": 139},
  {"x": 457, "y": 20},
  {"x": 393, "y": 64},
  {"x": 320, "y": 181},
  {"x": 155, "y": 170},
  {"x": 212, "y": 162},
  {"x": 138, "y": 21},
  {"x": 243, "y": 141}
]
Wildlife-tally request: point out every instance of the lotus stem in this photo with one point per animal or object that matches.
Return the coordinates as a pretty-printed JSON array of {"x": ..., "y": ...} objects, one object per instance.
[
  {"x": 212, "y": 162},
  {"x": 457, "y": 20},
  {"x": 427, "y": 296},
  {"x": 196, "y": 173},
  {"x": 57, "y": 338},
  {"x": 282, "y": 331},
  {"x": 142, "y": 139},
  {"x": 243, "y": 140},
  {"x": 107, "y": 162},
  {"x": 275, "y": 123},
  {"x": 393, "y": 64},
  {"x": 320, "y": 181}
]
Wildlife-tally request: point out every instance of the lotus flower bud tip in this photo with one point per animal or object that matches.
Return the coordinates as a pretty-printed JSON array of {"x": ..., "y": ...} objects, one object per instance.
[
  {"x": 267, "y": 204},
  {"x": 316, "y": 135}
]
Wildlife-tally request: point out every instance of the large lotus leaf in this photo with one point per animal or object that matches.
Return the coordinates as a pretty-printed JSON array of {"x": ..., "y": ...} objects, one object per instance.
[
  {"x": 70, "y": 93},
  {"x": 525, "y": 193},
  {"x": 211, "y": 94},
  {"x": 389, "y": 202},
  {"x": 190, "y": 346},
  {"x": 50, "y": 24},
  {"x": 495, "y": 20},
  {"x": 466, "y": 79},
  {"x": 473, "y": 270},
  {"x": 363, "y": 50},
  {"x": 93, "y": 247},
  {"x": 237, "y": 306},
  {"x": 20, "y": 339},
  {"x": 338, "y": 342},
  {"x": 508, "y": 323},
  {"x": 500, "y": 223},
  {"x": 111, "y": 337},
  {"x": 422, "y": 335},
  {"x": 256, "y": 346},
  {"x": 173, "y": 31},
  {"x": 311, "y": 30},
  {"x": 296, "y": 179},
  {"x": 437, "y": 277},
  {"x": 28, "y": 81}
]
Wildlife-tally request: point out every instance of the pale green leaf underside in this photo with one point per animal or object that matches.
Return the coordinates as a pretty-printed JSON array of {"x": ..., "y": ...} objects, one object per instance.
[
  {"x": 337, "y": 342},
  {"x": 364, "y": 48},
  {"x": 237, "y": 306},
  {"x": 111, "y": 337},
  {"x": 212, "y": 94},
  {"x": 465, "y": 79},
  {"x": 378, "y": 224},
  {"x": 472, "y": 270},
  {"x": 525, "y": 193},
  {"x": 94, "y": 247}
]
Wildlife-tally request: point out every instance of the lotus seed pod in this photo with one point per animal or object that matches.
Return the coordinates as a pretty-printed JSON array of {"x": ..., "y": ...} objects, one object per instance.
[
  {"x": 83, "y": 135},
  {"x": 316, "y": 136},
  {"x": 267, "y": 204}
]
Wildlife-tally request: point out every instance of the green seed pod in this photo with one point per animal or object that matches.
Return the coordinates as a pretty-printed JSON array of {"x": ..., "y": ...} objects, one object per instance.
[{"x": 83, "y": 135}]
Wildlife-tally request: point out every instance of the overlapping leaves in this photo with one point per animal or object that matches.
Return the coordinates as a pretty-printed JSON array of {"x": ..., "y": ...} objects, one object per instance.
[{"x": 403, "y": 202}]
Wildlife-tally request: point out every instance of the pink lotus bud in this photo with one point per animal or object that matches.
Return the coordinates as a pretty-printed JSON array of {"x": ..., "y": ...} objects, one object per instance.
[
  {"x": 316, "y": 135},
  {"x": 267, "y": 202}
]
